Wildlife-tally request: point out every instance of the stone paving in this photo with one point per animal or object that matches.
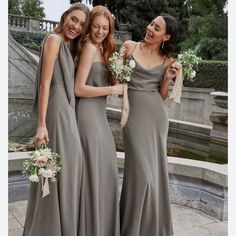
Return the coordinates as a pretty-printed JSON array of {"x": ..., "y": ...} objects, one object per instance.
[{"x": 187, "y": 221}]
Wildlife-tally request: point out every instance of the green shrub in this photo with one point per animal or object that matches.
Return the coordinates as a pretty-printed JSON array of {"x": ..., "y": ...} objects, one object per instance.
[
  {"x": 28, "y": 39},
  {"x": 211, "y": 74}
]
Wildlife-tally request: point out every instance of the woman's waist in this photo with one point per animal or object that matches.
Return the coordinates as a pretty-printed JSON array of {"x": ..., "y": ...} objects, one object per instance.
[
  {"x": 143, "y": 90},
  {"x": 96, "y": 101}
]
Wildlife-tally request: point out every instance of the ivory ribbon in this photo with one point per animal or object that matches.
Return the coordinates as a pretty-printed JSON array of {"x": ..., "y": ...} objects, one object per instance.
[
  {"x": 45, "y": 186},
  {"x": 177, "y": 88},
  {"x": 125, "y": 107}
]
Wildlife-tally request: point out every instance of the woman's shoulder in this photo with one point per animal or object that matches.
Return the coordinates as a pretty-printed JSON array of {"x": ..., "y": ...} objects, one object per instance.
[
  {"x": 129, "y": 46},
  {"x": 90, "y": 47},
  {"x": 53, "y": 42}
]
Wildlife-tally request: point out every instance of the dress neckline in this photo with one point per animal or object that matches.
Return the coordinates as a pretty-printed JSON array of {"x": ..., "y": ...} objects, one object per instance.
[{"x": 140, "y": 65}]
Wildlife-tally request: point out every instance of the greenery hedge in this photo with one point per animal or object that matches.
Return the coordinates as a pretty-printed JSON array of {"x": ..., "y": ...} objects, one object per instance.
[
  {"x": 211, "y": 74},
  {"x": 28, "y": 39}
]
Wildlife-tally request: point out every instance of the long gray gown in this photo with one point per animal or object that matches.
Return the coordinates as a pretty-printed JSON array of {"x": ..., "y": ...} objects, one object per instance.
[
  {"x": 57, "y": 214},
  {"x": 144, "y": 204},
  {"x": 100, "y": 191}
]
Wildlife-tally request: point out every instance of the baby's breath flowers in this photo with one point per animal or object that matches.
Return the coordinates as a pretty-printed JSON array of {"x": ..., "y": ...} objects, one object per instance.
[
  {"x": 189, "y": 62},
  {"x": 121, "y": 69}
]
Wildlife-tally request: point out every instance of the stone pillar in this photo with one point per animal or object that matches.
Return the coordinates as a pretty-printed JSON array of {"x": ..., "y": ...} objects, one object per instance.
[
  {"x": 219, "y": 133},
  {"x": 34, "y": 25}
]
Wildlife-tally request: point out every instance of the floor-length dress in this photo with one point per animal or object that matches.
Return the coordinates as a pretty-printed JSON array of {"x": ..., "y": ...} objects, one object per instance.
[
  {"x": 57, "y": 214},
  {"x": 145, "y": 206},
  {"x": 100, "y": 191}
]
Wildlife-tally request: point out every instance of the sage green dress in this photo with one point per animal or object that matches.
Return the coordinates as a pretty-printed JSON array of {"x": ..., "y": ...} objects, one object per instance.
[
  {"x": 145, "y": 206},
  {"x": 100, "y": 186},
  {"x": 58, "y": 214}
]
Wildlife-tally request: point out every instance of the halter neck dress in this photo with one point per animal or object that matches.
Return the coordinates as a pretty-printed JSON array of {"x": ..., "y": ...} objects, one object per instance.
[{"x": 58, "y": 213}]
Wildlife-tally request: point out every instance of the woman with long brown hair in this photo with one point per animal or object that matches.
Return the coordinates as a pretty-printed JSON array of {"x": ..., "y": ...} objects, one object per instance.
[
  {"x": 100, "y": 185},
  {"x": 58, "y": 214}
]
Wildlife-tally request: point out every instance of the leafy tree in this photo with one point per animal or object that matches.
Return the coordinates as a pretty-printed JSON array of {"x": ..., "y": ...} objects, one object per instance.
[
  {"x": 14, "y": 7},
  {"x": 33, "y": 8},
  {"x": 200, "y": 22},
  {"x": 208, "y": 29},
  {"x": 139, "y": 13},
  {"x": 115, "y": 7}
]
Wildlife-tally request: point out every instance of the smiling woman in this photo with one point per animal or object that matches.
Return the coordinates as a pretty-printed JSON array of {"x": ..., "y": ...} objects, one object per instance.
[
  {"x": 92, "y": 86},
  {"x": 145, "y": 206},
  {"x": 58, "y": 213}
]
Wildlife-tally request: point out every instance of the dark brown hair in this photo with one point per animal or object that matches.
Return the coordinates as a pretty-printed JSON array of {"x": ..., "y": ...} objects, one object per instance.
[{"x": 172, "y": 28}]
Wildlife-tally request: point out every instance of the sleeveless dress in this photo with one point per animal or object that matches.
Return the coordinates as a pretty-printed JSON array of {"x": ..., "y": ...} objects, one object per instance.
[
  {"x": 100, "y": 186},
  {"x": 57, "y": 214},
  {"x": 144, "y": 204}
]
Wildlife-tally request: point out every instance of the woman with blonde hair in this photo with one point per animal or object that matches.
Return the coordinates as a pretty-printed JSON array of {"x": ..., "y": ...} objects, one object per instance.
[
  {"x": 58, "y": 213},
  {"x": 100, "y": 185}
]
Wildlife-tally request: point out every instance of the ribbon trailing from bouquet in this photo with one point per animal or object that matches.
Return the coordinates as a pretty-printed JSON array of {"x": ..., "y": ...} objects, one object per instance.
[
  {"x": 177, "y": 88},
  {"x": 124, "y": 107},
  {"x": 45, "y": 186}
]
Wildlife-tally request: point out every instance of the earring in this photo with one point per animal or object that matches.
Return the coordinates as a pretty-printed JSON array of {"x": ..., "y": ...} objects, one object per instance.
[{"x": 163, "y": 44}]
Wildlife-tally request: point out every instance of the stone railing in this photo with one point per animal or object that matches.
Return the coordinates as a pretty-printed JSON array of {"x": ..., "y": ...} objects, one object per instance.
[{"x": 30, "y": 24}]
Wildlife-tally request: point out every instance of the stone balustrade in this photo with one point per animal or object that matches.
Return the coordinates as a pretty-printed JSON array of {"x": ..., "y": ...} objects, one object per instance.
[{"x": 30, "y": 24}]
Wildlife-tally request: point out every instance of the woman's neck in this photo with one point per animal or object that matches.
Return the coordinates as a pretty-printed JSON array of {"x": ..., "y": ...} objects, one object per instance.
[
  {"x": 150, "y": 48},
  {"x": 67, "y": 41}
]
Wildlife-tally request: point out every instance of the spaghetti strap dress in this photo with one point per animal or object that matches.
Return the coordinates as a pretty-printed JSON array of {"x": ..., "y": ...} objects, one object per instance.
[
  {"x": 144, "y": 205},
  {"x": 58, "y": 214},
  {"x": 100, "y": 186}
]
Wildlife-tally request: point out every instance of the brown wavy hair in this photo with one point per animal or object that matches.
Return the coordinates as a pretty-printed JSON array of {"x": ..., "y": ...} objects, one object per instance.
[
  {"x": 109, "y": 42},
  {"x": 75, "y": 45}
]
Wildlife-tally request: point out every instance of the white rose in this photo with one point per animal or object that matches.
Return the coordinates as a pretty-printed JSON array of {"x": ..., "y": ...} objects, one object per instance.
[
  {"x": 36, "y": 154},
  {"x": 41, "y": 171},
  {"x": 132, "y": 63},
  {"x": 193, "y": 74},
  {"x": 127, "y": 78},
  {"x": 48, "y": 173},
  {"x": 34, "y": 178}
]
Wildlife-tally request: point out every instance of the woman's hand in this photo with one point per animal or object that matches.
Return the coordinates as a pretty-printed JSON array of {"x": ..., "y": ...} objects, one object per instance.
[
  {"x": 117, "y": 89},
  {"x": 172, "y": 71},
  {"x": 41, "y": 136}
]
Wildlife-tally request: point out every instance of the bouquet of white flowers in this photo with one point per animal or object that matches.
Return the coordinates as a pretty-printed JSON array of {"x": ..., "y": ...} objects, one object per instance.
[
  {"x": 43, "y": 164},
  {"x": 189, "y": 62},
  {"x": 121, "y": 69}
]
